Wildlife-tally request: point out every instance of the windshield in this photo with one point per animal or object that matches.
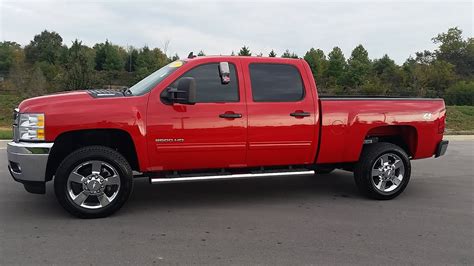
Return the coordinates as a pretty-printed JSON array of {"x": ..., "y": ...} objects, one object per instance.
[{"x": 148, "y": 83}]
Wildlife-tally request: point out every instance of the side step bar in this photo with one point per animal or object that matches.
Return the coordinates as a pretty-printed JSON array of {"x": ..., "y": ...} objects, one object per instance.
[{"x": 158, "y": 180}]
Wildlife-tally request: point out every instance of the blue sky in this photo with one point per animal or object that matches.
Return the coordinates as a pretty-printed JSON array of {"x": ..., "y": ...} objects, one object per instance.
[{"x": 398, "y": 28}]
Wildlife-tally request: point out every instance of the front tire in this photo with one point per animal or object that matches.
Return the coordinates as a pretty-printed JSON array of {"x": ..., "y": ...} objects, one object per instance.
[
  {"x": 383, "y": 171},
  {"x": 93, "y": 182}
]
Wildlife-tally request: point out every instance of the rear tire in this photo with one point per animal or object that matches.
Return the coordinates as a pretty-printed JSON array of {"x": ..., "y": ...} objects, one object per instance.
[
  {"x": 383, "y": 171},
  {"x": 93, "y": 182}
]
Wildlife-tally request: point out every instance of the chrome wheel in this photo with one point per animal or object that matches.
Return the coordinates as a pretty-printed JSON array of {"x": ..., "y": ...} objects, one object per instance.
[
  {"x": 388, "y": 172},
  {"x": 93, "y": 184}
]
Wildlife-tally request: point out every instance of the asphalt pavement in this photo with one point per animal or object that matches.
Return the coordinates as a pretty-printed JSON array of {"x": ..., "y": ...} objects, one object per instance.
[{"x": 285, "y": 220}]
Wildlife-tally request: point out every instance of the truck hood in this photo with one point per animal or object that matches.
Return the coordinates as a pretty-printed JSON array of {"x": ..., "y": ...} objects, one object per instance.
[{"x": 76, "y": 98}]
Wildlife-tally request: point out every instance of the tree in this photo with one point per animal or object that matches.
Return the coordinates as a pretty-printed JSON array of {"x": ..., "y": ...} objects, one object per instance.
[
  {"x": 336, "y": 66},
  {"x": 428, "y": 79},
  {"x": 461, "y": 93},
  {"x": 79, "y": 66},
  {"x": 109, "y": 57},
  {"x": 373, "y": 86},
  {"x": 287, "y": 54},
  {"x": 389, "y": 74},
  {"x": 45, "y": 47},
  {"x": 272, "y": 54},
  {"x": 358, "y": 67},
  {"x": 9, "y": 52},
  {"x": 201, "y": 53},
  {"x": 37, "y": 84},
  {"x": 131, "y": 61},
  {"x": 149, "y": 61},
  {"x": 318, "y": 63},
  {"x": 455, "y": 50},
  {"x": 245, "y": 51}
]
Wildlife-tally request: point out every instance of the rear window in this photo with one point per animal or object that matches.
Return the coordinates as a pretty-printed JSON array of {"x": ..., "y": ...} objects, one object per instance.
[{"x": 276, "y": 83}]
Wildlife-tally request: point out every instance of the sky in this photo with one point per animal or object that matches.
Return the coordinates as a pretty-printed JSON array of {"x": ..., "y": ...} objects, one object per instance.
[{"x": 396, "y": 28}]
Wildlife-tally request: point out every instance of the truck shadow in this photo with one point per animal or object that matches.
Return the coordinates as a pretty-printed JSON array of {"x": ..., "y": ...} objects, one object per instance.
[
  {"x": 245, "y": 191},
  {"x": 295, "y": 190}
]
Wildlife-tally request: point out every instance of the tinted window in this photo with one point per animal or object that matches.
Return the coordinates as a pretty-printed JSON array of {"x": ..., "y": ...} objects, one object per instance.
[
  {"x": 276, "y": 83},
  {"x": 208, "y": 84}
]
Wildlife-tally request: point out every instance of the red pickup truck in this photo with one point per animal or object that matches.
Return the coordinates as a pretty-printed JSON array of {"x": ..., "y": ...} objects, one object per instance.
[{"x": 210, "y": 118}]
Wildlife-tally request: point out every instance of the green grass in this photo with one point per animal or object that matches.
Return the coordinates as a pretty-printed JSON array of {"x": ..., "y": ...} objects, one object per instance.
[
  {"x": 6, "y": 133},
  {"x": 460, "y": 119}
]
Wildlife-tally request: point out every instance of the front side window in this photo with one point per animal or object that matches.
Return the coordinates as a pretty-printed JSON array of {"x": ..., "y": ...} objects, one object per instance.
[
  {"x": 209, "y": 87},
  {"x": 276, "y": 83}
]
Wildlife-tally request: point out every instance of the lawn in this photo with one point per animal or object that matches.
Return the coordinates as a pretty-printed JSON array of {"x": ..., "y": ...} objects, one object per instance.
[{"x": 460, "y": 119}]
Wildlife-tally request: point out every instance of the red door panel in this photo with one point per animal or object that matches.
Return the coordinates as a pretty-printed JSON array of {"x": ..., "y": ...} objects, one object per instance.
[
  {"x": 281, "y": 133},
  {"x": 204, "y": 135}
]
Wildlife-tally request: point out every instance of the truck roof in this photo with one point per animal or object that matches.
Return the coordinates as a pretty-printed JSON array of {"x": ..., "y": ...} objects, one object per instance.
[{"x": 253, "y": 58}]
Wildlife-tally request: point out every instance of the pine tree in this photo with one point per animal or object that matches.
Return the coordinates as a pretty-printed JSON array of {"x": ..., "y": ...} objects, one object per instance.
[
  {"x": 336, "y": 66},
  {"x": 245, "y": 51},
  {"x": 272, "y": 54},
  {"x": 358, "y": 67},
  {"x": 318, "y": 63},
  {"x": 287, "y": 54}
]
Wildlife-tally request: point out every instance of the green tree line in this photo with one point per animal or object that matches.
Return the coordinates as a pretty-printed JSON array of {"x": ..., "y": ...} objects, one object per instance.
[{"x": 47, "y": 65}]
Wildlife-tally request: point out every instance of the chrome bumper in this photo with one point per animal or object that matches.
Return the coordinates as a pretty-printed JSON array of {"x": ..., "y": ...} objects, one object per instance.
[{"x": 27, "y": 161}]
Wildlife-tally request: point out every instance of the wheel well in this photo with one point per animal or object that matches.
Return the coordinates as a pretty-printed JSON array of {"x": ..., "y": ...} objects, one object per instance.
[
  {"x": 68, "y": 142},
  {"x": 406, "y": 137}
]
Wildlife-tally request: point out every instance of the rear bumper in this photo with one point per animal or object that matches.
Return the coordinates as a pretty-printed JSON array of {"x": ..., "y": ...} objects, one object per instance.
[
  {"x": 441, "y": 149},
  {"x": 27, "y": 162}
]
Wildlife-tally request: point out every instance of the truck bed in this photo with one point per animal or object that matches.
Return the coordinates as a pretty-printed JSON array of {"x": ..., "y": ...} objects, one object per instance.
[{"x": 347, "y": 121}]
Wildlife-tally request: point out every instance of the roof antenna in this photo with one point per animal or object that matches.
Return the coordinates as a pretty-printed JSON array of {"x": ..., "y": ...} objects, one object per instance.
[{"x": 191, "y": 55}]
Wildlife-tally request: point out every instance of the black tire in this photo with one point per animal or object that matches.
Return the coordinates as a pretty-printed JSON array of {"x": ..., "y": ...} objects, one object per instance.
[
  {"x": 324, "y": 170},
  {"x": 103, "y": 154},
  {"x": 363, "y": 170}
]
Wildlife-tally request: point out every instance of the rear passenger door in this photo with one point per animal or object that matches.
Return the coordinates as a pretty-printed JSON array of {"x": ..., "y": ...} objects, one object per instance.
[{"x": 281, "y": 113}]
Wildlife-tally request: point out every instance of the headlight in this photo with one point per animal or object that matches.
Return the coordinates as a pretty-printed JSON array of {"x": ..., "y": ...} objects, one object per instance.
[{"x": 31, "y": 126}]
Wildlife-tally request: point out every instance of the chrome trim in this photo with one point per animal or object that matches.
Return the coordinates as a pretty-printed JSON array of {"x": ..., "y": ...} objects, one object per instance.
[
  {"x": 27, "y": 145},
  {"x": 31, "y": 158},
  {"x": 223, "y": 177},
  {"x": 102, "y": 183},
  {"x": 388, "y": 169}
]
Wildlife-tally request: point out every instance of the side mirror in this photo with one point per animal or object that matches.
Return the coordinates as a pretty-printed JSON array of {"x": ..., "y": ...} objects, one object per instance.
[
  {"x": 224, "y": 72},
  {"x": 185, "y": 93}
]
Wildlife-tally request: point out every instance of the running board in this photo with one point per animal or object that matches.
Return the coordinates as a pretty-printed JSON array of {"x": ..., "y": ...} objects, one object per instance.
[{"x": 157, "y": 180}]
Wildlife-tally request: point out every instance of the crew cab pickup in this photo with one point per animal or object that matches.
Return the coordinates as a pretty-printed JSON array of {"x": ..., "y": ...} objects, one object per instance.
[{"x": 211, "y": 118}]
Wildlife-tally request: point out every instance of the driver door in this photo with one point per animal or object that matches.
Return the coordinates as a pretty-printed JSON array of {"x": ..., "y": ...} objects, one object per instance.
[{"x": 212, "y": 133}]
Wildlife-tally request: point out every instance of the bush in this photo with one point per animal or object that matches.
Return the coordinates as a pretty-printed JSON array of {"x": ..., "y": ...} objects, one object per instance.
[{"x": 461, "y": 93}]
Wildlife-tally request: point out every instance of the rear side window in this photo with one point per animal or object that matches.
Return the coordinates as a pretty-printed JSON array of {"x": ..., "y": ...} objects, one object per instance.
[
  {"x": 208, "y": 84},
  {"x": 276, "y": 83}
]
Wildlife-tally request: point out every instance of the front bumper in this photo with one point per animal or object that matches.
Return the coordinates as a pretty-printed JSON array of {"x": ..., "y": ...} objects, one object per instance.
[
  {"x": 27, "y": 161},
  {"x": 441, "y": 149}
]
